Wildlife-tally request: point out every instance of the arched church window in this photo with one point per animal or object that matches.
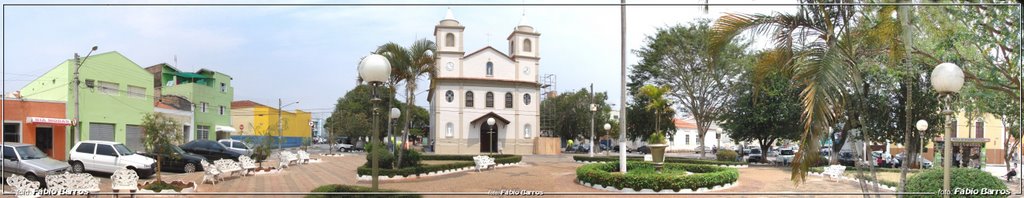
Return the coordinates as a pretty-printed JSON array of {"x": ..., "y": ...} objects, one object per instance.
[
  {"x": 469, "y": 99},
  {"x": 449, "y": 40},
  {"x": 508, "y": 100},
  {"x": 489, "y": 101},
  {"x": 527, "y": 45},
  {"x": 490, "y": 68}
]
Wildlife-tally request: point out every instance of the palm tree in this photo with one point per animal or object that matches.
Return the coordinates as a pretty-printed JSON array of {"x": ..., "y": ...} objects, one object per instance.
[
  {"x": 658, "y": 102},
  {"x": 398, "y": 57},
  {"x": 408, "y": 64}
]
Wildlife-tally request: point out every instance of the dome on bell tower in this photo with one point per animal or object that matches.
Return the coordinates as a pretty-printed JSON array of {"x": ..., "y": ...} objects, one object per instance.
[{"x": 449, "y": 19}]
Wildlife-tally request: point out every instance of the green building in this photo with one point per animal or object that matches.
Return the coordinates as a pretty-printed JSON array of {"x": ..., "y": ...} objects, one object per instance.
[
  {"x": 115, "y": 94},
  {"x": 210, "y": 93}
]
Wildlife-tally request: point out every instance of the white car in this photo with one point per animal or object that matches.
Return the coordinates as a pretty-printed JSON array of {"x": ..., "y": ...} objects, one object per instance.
[
  {"x": 237, "y": 146},
  {"x": 785, "y": 156},
  {"x": 107, "y": 157}
]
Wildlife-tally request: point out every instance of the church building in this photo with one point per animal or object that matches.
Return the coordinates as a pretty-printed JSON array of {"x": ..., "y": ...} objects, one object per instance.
[{"x": 485, "y": 83}]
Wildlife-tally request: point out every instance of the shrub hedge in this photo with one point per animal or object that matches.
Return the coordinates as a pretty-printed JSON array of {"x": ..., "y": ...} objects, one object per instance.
[
  {"x": 706, "y": 176},
  {"x": 877, "y": 169},
  {"x": 962, "y": 178},
  {"x": 726, "y": 155},
  {"x": 424, "y": 169},
  {"x": 667, "y": 160},
  {"x": 347, "y": 188}
]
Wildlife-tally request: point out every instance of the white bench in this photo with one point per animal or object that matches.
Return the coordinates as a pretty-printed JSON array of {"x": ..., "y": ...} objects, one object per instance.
[
  {"x": 228, "y": 166},
  {"x": 124, "y": 179},
  {"x": 303, "y": 156},
  {"x": 73, "y": 182},
  {"x": 210, "y": 172},
  {"x": 483, "y": 162},
  {"x": 23, "y": 187},
  {"x": 834, "y": 171},
  {"x": 248, "y": 164}
]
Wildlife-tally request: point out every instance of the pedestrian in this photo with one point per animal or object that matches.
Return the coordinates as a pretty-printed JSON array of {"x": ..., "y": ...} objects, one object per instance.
[
  {"x": 1012, "y": 173},
  {"x": 568, "y": 145}
]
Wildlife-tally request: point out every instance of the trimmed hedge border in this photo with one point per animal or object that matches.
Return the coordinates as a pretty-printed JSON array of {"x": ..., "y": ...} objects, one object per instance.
[
  {"x": 588, "y": 160},
  {"x": 706, "y": 178},
  {"x": 819, "y": 171},
  {"x": 364, "y": 173},
  {"x": 351, "y": 188}
]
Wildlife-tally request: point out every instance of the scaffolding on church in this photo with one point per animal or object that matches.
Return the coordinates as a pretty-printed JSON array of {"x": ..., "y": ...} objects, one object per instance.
[{"x": 548, "y": 89}]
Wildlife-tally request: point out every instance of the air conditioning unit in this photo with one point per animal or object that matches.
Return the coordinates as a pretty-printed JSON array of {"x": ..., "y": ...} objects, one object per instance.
[{"x": 90, "y": 83}]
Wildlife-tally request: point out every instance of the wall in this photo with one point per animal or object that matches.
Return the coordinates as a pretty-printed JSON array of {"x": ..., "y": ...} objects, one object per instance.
[
  {"x": 213, "y": 97},
  {"x": 16, "y": 110}
]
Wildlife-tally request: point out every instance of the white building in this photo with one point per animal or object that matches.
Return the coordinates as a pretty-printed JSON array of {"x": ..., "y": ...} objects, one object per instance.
[
  {"x": 485, "y": 83},
  {"x": 686, "y": 138}
]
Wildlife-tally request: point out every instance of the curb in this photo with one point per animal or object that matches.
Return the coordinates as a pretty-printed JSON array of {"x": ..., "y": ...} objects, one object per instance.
[
  {"x": 880, "y": 185},
  {"x": 666, "y": 191},
  {"x": 719, "y": 165},
  {"x": 430, "y": 174}
]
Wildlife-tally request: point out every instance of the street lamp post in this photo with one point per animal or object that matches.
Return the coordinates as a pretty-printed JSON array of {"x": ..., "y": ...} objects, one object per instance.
[
  {"x": 607, "y": 132},
  {"x": 394, "y": 114},
  {"x": 280, "y": 128},
  {"x": 921, "y": 127},
  {"x": 494, "y": 128},
  {"x": 947, "y": 79},
  {"x": 375, "y": 69},
  {"x": 593, "y": 109},
  {"x": 77, "y": 128}
]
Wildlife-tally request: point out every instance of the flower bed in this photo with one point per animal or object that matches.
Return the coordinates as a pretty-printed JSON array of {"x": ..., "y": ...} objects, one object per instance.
[
  {"x": 438, "y": 169},
  {"x": 585, "y": 159},
  {"x": 347, "y": 188},
  {"x": 705, "y": 177},
  {"x": 167, "y": 187}
]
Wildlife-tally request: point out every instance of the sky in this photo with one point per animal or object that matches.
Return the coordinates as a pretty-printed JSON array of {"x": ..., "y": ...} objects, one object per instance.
[{"x": 310, "y": 53}]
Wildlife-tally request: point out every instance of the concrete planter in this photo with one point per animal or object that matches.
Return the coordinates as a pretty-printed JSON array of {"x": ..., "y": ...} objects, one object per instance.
[
  {"x": 666, "y": 191},
  {"x": 430, "y": 174}
]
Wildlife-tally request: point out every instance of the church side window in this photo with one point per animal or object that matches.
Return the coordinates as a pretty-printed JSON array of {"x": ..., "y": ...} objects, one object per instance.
[
  {"x": 490, "y": 68},
  {"x": 526, "y": 99},
  {"x": 449, "y": 130},
  {"x": 527, "y": 45},
  {"x": 469, "y": 99},
  {"x": 489, "y": 101},
  {"x": 449, "y": 40},
  {"x": 527, "y": 133},
  {"x": 508, "y": 100},
  {"x": 449, "y": 96}
]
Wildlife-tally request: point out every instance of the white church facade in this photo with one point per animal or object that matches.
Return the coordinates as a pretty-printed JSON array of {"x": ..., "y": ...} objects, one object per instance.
[{"x": 485, "y": 83}]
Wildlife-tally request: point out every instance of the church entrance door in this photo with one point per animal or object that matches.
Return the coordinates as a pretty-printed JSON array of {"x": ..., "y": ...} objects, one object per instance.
[{"x": 488, "y": 138}]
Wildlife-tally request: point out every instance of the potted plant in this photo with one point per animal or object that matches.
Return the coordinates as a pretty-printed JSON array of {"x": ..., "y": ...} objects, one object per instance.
[
  {"x": 657, "y": 143},
  {"x": 160, "y": 132}
]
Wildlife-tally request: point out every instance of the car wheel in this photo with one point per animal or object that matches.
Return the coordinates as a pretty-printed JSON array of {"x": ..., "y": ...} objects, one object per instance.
[
  {"x": 31, "y": 177},
  {"x": 77, "y": 167},
  {"x": 190, "y": 167}
]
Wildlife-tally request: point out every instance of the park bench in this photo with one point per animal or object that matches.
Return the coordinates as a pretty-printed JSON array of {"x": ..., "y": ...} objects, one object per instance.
[
  {"x": 210, "y": 173},
  {"x": 124, "y": 179},
  {"x": 303, "y": 156},
  {"x": 73, "y": 182},
  {"x": 834, "y": 171},
  {"x": 248, "y": 164},
  {"x": 23, "y": 187},
  {"x": 483, "y": 162},
  {"x": 228, "y": 166}
]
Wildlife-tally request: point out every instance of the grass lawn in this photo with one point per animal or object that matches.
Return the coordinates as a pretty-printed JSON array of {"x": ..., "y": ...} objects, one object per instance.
[
  {"x": 436, "y": 162},
  {"x": 650, "y": 171}
]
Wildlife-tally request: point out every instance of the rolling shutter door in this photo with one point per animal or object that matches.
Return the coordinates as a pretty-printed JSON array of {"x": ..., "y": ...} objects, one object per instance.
[
  {"x": 133, "y": 137},
  {"x": 100, "y": 131}
]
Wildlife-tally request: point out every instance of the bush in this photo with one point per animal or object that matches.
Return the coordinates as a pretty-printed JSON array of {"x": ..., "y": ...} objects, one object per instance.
[
  {"x": 710, "y": 176},
  {"x": 726, "y": 155},
  {"x": 667, "y": 159},
  {"x": 347, "y": 188},
  {"x": 656, "y": 138},
  {"x": 962, "y": 178},
  {"x": 424, "y": 169},
  {"x": 387, "y": 159}
]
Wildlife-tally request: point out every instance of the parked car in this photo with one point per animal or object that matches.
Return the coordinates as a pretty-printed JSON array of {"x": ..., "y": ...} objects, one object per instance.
[
  {"x": 27, "y": 160},
  {"x": 754, "y": 156},
  {"x": 343, "y": 144},
  {"x": 237, "y": 146},
  {"x": 785, "y": 156},
  {"x": 178, "y": 160},
  {"x": 107, "y": 157},
  {"x": 616, "y": 149},
  {"x": 925, "y": 163},
  {"x": 846, "y": 158},
  {"x": 210, "y": 150},
  {"x": 644, "y": 150}
]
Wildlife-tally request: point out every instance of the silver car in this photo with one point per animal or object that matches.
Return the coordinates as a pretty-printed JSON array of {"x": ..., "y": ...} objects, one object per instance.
[{"x": 29, "y": 161}]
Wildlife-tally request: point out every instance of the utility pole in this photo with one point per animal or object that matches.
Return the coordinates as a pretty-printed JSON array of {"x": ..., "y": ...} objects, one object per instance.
[
  {"x": 622, "y": 86},
  {"x": 77, "y": 129},
  {"x": 593, "y": 109}
]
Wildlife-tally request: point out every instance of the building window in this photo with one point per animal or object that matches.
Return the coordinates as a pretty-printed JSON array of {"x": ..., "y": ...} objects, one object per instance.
[
  {"x": 527, "y": 45},
  {"x": 221, "y": 110},
  {"x": 449, "y": 96},
  {"x": 109, "y": 88},
  {"x": 526, "y": 99},
  {"x": 527, "y": 133},
  {"x": 449, "y": 40},
  {"x": 449, "y": 130},
  {"x": 489, "y": 101},
  {"x": 203, "y": 132},
  {"x": 955, "y": 128},
  {"x": 469, "y": 99},
  {"x": 136, "y": 91},
  {"x": 490, "y": 68},
  {"x": 223, "y": 87},
  {"x": 687, "y": 139},
  {"x": 12, "y": 132},
  {"x": 979, "y": 130},
  {"x": 508, "y": 100},
  {"x": 203, "y": 108}
]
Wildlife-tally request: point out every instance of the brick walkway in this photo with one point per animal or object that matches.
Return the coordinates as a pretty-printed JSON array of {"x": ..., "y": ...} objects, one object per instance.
[{"x": 538, "y": 173}]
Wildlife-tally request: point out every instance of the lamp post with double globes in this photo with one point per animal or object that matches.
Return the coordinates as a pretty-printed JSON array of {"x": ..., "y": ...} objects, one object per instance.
[
  {"x": 947, "y": 79},
  {"x": 607, "y": 132},
  {"x": 375, "y": 70},
  {"x": 494, "y": 128}
]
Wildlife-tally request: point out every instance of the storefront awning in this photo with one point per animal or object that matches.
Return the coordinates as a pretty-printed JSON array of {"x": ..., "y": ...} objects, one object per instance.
[
  {"x": 54, "y": 121},
  {"x": 226, "y": 129}
]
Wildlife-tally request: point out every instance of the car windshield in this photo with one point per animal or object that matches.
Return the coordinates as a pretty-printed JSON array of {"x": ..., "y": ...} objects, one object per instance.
[
  {"x": 845, "y": 155},
  {"x": 786, "y": 152},
  {"x": 755, "y": 151},
  {"x": 30, "y": 152},
  {"x": 123, "y": 150}
]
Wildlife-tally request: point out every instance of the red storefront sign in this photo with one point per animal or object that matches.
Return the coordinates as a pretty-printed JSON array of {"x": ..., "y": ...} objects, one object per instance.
[{"x": 54, "y": 121}]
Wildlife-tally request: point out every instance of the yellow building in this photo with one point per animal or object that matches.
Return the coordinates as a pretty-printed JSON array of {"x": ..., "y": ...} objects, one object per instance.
[
  {"x": 986, "y": 128},
  {"x": 255, "y": 119}
]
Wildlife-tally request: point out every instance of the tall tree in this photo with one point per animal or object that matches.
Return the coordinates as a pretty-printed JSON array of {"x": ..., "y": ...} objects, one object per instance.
[
  {"x": 573, "y": 119},
  {"x": 412, "y": 62},
  {"x": 700, "y": 79},
  {"x": 764, "y": 116}
]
